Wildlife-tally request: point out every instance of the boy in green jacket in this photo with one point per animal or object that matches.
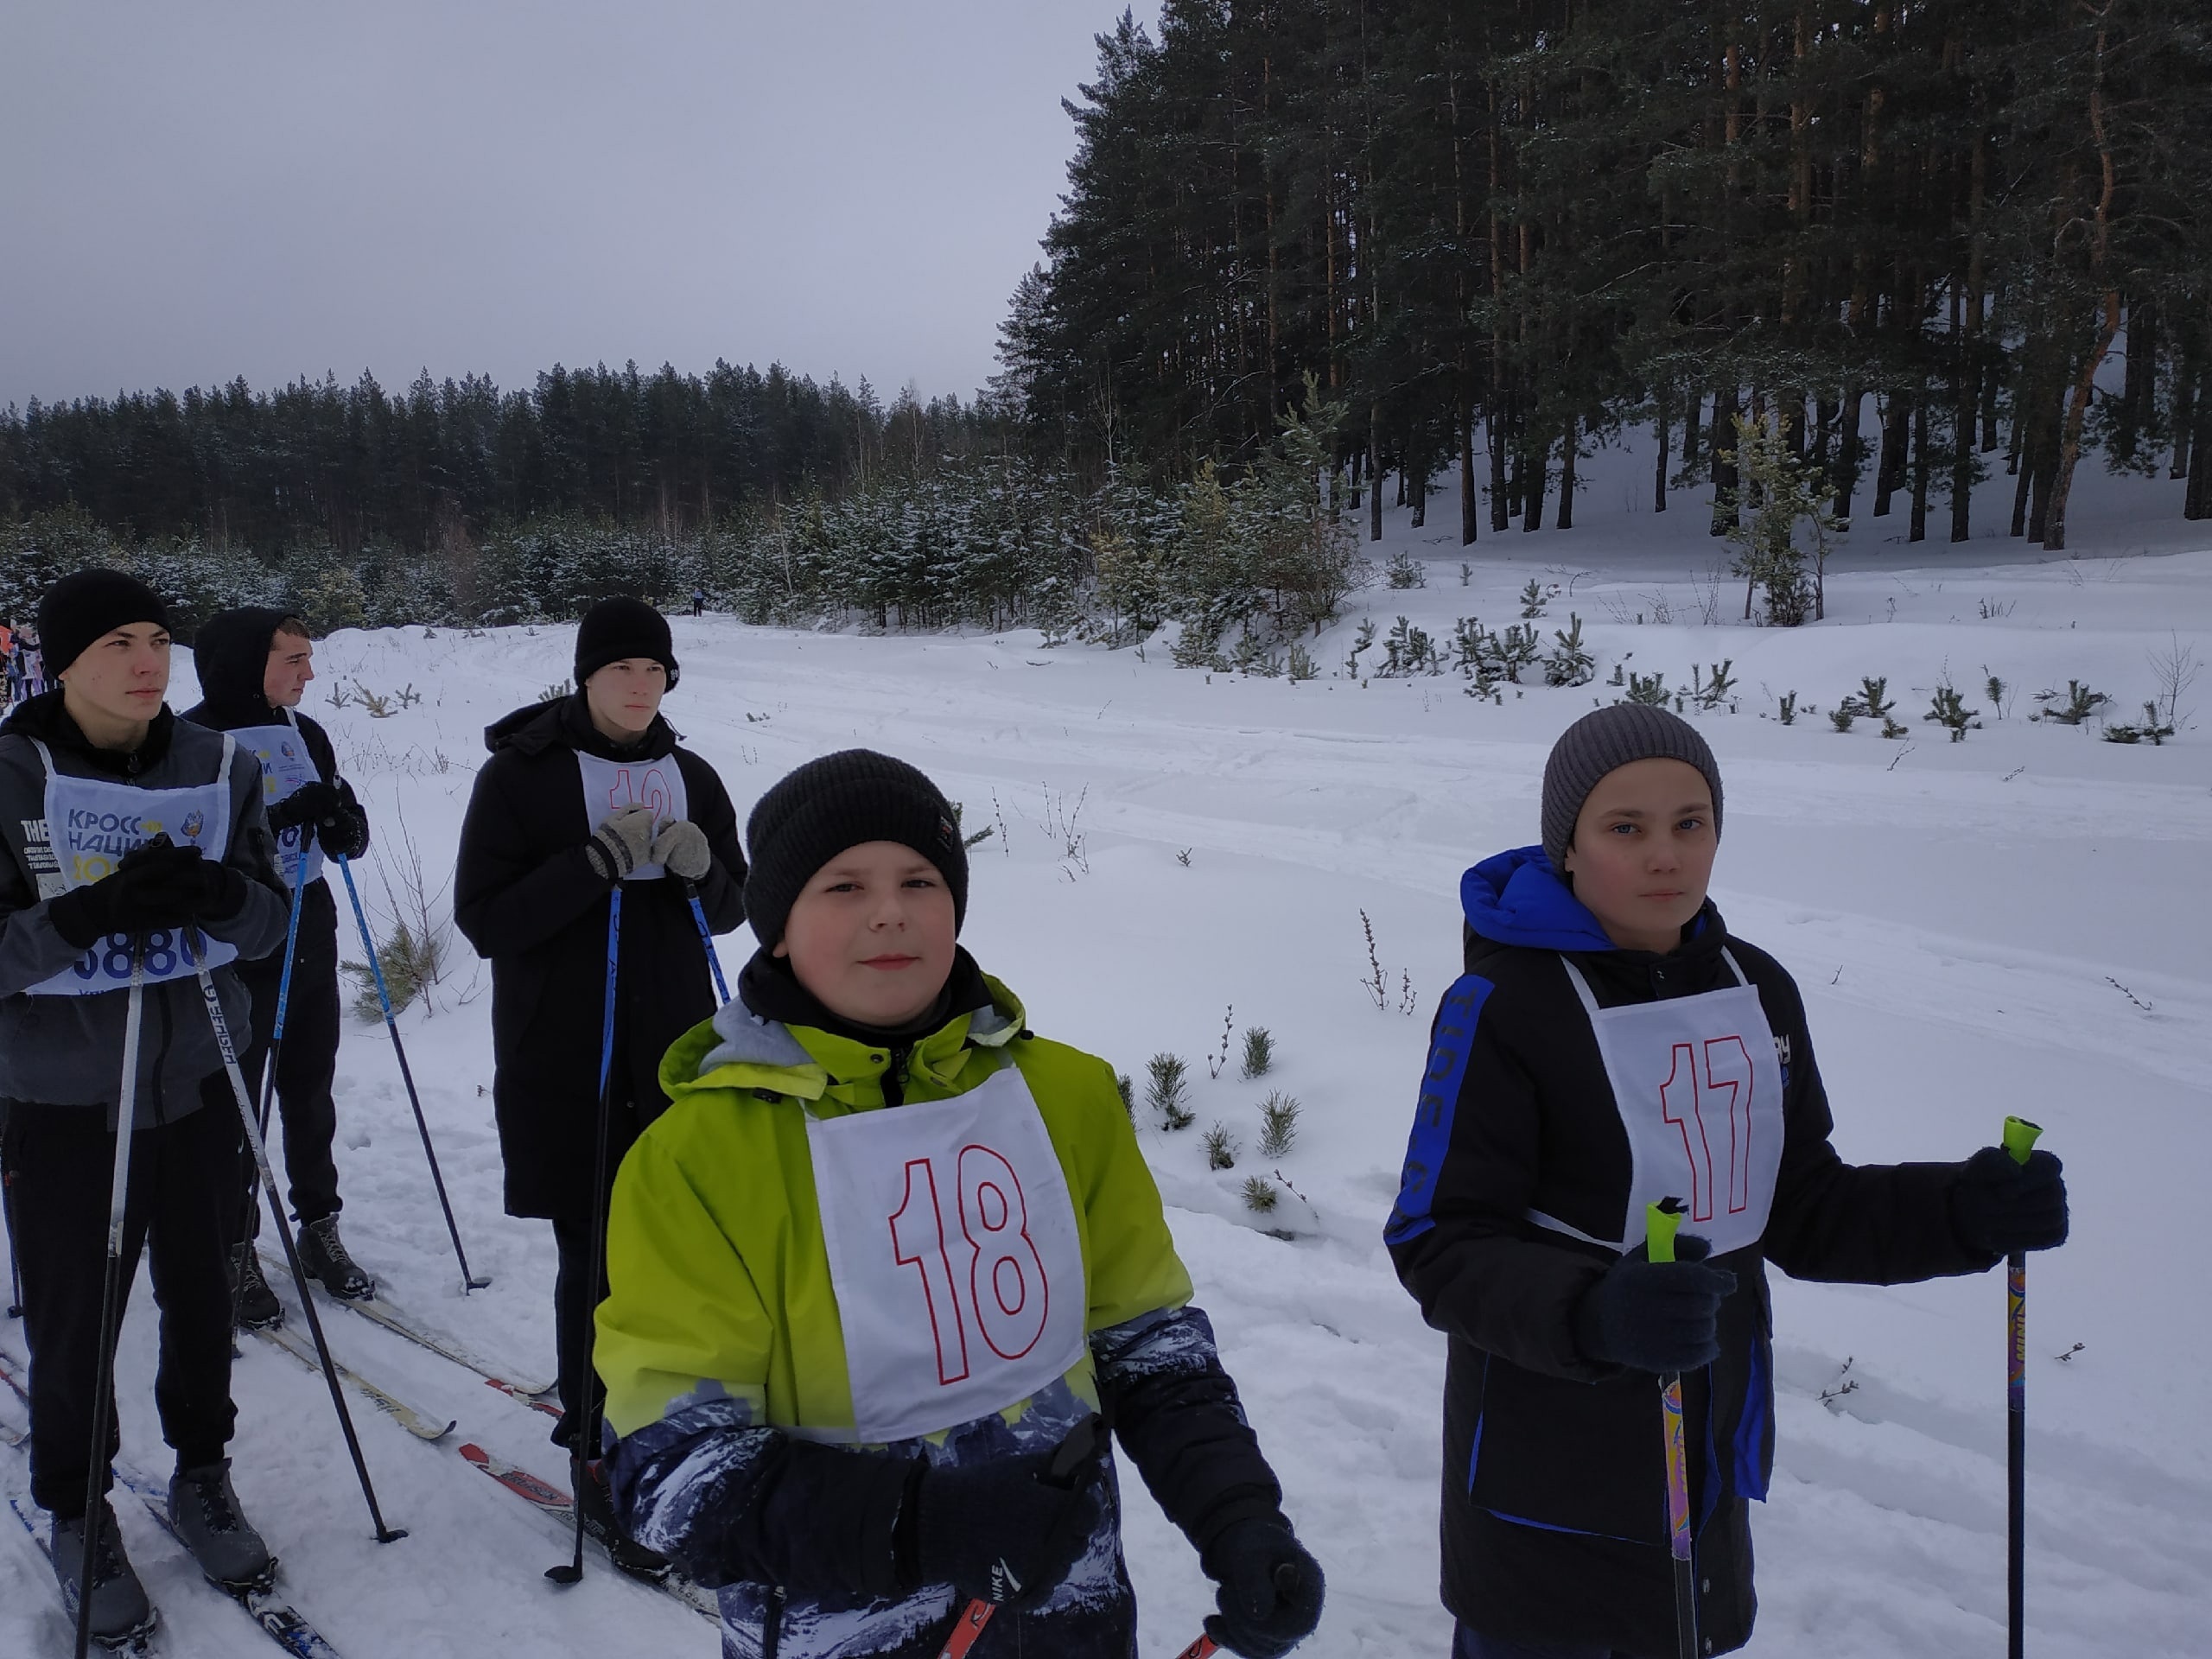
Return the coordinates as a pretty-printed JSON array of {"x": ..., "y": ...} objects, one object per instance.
[{"x": 881, "y": 1268}]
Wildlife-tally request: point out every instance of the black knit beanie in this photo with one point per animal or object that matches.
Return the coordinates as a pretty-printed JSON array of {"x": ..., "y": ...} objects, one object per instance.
[
  {"x": 844, "y": 800},
  {"x": 1600, "y": 742},
  {"x": 616, "y": 629},
  {"x": 87, "y": 605}
]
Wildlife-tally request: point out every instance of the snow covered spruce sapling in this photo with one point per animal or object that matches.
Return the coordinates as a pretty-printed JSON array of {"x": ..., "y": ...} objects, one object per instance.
[
  {"x": 819, "y": 1414},
  {"x": 1548, "y": 1121},
  {"x": 1168, "y": 1091}
]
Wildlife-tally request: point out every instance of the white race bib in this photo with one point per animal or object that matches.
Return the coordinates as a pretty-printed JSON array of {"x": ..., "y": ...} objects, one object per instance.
[
  {"x": 954, "y": 1255},
  {"x": 90, "y": 824},
  {"x": 612, "y": 783},
  {"x": 286, "y": 767},
  {"x": 1698, "y": 1085}
]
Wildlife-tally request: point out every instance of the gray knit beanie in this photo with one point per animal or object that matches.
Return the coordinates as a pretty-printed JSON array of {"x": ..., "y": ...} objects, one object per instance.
[{"x": 1610, "y": 738}]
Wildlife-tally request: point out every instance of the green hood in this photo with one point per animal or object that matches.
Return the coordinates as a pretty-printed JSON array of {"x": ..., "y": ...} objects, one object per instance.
[{"x": 836, "y": 1075}]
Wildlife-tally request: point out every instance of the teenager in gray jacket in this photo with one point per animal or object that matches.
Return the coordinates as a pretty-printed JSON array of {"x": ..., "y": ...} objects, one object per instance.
[{"x": 121, "y": 825}]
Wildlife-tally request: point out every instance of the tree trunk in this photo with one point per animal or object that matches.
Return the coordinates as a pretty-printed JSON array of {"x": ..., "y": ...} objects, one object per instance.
[
  {"x": 1532, "y": 489},
  {"x": 1470, "y": 503},
  {"x": 1962, "y": 402},
  {"x": 1659, "y": 478},
  {"x": 2185, "y": 400},
  {"x": 1374, "y": 471},
  {"x": 2198, "y": 504},
  {"x": 1824, "y": 413},
  {"x": 1566, "y": 458},
  {"x": 1724, "y": 471},
  {"x": 1501, "y": 496},
  {"x": 2077, "y": 406},
  {"x": 1848, "y": 450},
  {"x": 1919, "y": 470},
  {"x": 2077, "y": 410},
  {"x": 1690, "y": 414},
  {"x": 1889, "y": 470}
]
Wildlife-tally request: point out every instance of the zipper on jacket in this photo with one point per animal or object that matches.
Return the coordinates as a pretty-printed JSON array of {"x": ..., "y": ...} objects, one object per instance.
[{"x": 894, "y": 1075}]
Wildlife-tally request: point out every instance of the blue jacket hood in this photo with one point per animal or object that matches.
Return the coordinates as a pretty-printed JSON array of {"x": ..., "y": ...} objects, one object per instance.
[{"x": 1516, "y": 898}]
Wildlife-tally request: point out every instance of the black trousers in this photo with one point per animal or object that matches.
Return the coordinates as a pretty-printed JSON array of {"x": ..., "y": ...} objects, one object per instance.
[
  {"x": 60, "y": 1160},
  {"x": 305, "y": 1066},
  {"x": 575, "y": 1299}
]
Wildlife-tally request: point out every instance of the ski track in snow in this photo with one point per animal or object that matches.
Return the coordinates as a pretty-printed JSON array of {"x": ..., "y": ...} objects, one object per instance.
[{"x": 1961, "y": 918}]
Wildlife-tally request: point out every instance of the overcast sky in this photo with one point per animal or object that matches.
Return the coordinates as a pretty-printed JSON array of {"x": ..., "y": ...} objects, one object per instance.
[{"x": 192, "y": 192}]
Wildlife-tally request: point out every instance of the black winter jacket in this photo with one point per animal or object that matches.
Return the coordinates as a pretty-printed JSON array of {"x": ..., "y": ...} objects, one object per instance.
[
  {"x": 527, "y": 899},
  {"x": 1554, "y": 1485},
  {"x": 231, "y": 656}
]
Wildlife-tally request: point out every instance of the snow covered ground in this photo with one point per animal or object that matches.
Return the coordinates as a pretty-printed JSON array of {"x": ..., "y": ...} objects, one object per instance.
[{"x": 2015, "y": 923}]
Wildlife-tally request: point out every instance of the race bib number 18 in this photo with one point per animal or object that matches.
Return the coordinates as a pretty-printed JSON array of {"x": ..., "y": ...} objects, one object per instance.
[{"x": 954, "y": 1255}]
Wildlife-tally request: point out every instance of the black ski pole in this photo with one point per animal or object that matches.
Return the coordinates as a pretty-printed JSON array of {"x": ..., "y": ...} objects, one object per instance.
[
  {"x": 572, "y": 1571},
  {"x": 1660, "y": 1222},
  {"x": 229, "y": 1052},
  {"x": 706, "y": 936},
  {"x": 268, "y": 1089},
  {"x": 2019, "y": 1141},
  {"x": 8, "y": 1217},
  {"x": 469, "y": 1281},
  {"x": 126, "y": 1113}
]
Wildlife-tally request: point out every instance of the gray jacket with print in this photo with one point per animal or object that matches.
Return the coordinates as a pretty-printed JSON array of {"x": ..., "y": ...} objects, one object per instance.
[{"x": 67, "y": 1051}]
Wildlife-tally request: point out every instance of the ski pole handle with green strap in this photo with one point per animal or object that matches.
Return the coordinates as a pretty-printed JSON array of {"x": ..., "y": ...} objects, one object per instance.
[
  {"x": 2019, "y": 1140},
  {"x": 1662, "y": 1220}
]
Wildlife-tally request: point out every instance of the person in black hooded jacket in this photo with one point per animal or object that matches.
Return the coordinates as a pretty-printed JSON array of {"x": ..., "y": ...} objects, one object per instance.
[
  {"x": 1610, "y": 1045},
  {"x": 254, "y": 665},
  {"x": 581, "y": 792}
]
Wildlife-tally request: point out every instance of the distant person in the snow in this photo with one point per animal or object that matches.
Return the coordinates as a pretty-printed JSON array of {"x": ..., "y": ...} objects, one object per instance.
[
  {"x": 698, "y": 601},
  {"x": 1607, "y": 1024},
  {"x": 88, "y": 773},
  {"x": 581, "y": 793},
  {"x": 879, "y": 1268},
  {"x": 254, "y": 666}
]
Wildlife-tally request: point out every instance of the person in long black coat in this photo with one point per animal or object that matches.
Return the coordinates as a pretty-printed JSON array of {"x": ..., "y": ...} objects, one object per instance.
[
  {"x": 581, "y": 792},
  {"x": 1611, "y": 1043}
]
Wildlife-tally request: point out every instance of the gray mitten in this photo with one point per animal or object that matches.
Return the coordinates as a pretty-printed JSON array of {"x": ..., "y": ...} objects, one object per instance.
[
  {"x": 681, "y": 848},
  {"x": 621, "y": 843}
]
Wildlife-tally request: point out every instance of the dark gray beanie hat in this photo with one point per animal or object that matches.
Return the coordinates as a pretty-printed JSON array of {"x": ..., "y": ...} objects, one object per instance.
[
  {"x": 1610, "y": 738},
  {"x": 843, "y": 800}
]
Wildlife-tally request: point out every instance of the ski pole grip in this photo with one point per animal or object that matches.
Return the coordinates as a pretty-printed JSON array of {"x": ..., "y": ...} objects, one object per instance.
[
  {"x": 1661, "y": 1222},
  {"x": 2020, "y": 1138}
]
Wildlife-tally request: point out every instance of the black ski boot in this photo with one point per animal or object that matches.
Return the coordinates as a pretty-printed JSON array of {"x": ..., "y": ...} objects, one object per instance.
[
  {"x": 204, "y": 1510},
  {"x": 258, "y": 1308},
  {"x": 322, "y": 1253},
  {"x": 630, "y": 1556},
  {"x": 122, "y": 1617}
]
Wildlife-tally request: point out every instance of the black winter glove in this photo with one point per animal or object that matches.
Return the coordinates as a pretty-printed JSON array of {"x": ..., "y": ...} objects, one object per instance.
[
  {"x": 157, "y": 885},
  {"x": 345, "y": 833},
  {"x": 1998, "y": 1206},
  {"x": 309, "y": 803},
  {"x": 1270, "y": 1589},
  {"x": 1008, "y": 1531},
  {"x": 1655, "y": 1316}
]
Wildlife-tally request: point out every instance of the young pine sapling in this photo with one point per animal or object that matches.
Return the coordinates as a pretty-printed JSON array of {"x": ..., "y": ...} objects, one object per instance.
[
  {"x": 1259, "y": 1050},
  {"x": 1168, "y": 1091}
]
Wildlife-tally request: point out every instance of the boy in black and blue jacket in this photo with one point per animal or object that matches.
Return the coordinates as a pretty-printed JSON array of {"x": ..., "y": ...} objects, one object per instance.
[{"x": 1609, "y": 1046}]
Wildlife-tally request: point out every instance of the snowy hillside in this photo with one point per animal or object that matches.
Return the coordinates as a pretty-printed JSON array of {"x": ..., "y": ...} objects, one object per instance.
[{"x": 2015, "y": 922}]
